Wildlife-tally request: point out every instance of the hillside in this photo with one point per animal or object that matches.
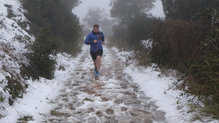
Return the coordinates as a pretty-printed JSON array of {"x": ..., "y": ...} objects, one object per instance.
[{"x": 14, "y": 41}]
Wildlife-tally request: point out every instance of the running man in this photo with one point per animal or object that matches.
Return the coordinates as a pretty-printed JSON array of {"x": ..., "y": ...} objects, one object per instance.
[{"x": 95, "y": 39}]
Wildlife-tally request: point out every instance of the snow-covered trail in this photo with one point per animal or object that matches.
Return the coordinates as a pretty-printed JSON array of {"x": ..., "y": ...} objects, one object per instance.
[{"x": 114, "y": 98}]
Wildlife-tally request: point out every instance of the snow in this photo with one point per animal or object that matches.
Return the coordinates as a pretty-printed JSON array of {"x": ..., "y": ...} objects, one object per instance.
[
  {"x": 147, "y": 43},
  {"x": 13, "y": 38},
  {"x": 16, "y": 7},
  {"x": 154, "y": 87},
  {"x": 157, "y": 11},
  {"x": 13, "y": 42},
  {"x": 35, "y": 100},
  {"x": 160, "y": 89},
  {"x": 31, "y": 103}
]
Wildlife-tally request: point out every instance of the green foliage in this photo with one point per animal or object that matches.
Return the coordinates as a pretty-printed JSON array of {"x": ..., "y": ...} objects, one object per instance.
[
  {"x": 59, "y": 17},
  {"x": 45, "y": 43},
  {"x": 192, "y": 50},
  {"x": 42, "y": 64},
  {"x": 55, "y": 113},
  {"x": 2, "y": 99},
  {"x": 15, "y": 88},
  {"x": 177, "y": 43},
  {"x": 187, "y": 9},
  {"x": 187, "y": 41},
  {"x": 206, "y": 74},
  {"x": 25, "y": 119},
  {"x": 202, "y": 63},
  {"x": 56, "y": 30},
  {"x": 129, "y": 9}
]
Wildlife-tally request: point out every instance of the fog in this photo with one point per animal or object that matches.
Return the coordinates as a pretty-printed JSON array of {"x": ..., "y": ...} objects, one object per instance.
[{"x": 82, "y": 9}]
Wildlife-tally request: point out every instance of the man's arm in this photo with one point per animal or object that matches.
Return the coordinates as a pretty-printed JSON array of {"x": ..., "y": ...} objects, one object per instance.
[
  {"x": 89, "y": 40},
  {"x": 86, "y": 41},
  {"x": 102, "y": 38}
]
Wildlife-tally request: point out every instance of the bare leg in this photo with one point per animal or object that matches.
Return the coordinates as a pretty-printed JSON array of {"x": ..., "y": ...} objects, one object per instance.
[
  {"x": 98, "y": 62},
  {"x": 95, "y": 63}
]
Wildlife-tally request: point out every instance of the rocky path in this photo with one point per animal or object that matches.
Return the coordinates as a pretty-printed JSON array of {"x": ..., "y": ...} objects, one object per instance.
[{"x": 114, "y": 98}]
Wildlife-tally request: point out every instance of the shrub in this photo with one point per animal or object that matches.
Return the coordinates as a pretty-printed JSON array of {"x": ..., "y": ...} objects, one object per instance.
[
  {"x": 192, "y": 50},
  {"x": 205, "y": 75},
  {"x": 15, "y": 87},
  {"x": 177, "y": 43},
  {"x": 64, "y": 25},
  {"x": 139, "y": 29},
  {"x": 130, "y": 35},
  {"x": 41, "y": 62},
  {"x": 56, "y": 30}
]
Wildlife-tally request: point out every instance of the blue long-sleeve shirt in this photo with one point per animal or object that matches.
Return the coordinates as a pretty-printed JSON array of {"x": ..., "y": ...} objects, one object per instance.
[{"x": 90, "y": 41}]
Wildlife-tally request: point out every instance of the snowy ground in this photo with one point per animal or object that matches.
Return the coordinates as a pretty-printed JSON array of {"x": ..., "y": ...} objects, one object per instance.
[
  {"x": 35, "y": 101},
  {"x": 13, "y": 47},
  {"x": 113, "y": 98},
  {"x": 162, "y": 90},
  {"x": 124, "y": 93}
]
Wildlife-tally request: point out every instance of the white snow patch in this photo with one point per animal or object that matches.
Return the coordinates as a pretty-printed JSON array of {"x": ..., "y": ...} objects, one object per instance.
[
  {"x": 36, "y": 99},
  {"x": 13, "y": 46},
  {"x": 147, "y": 43},
  {"x": 160, "y": 89},
  {"x": 157, "y": 11},
  {"x": 16, "y": 7}
]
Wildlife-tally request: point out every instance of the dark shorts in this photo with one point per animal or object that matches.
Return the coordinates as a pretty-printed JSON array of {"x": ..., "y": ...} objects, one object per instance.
[{"x": 95, "y": 54}]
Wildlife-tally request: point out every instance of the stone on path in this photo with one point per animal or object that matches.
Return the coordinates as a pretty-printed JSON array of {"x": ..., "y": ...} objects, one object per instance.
[{"x": 113, "y": 98}]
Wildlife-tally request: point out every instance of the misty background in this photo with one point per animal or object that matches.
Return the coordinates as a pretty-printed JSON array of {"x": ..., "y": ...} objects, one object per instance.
[
  {"x": 82, "y": 9},
  {"x": 98, "y": 11}
]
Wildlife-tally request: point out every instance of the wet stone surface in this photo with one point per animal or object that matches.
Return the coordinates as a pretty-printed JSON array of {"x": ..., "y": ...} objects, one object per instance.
[{"x": 113, "y": 98}]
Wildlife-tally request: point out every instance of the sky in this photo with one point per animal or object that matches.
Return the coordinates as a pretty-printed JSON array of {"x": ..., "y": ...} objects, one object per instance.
[
  {"x": 157, "y": 11},
  {"x": 83, "y": 8}
]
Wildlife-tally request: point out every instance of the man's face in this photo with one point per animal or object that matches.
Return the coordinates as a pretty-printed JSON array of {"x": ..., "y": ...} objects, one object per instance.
[{"x": 96, "y": 29}]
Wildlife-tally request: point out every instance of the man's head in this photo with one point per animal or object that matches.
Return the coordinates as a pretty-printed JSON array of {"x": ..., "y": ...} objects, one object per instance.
[{"x": 96, "y": 28}]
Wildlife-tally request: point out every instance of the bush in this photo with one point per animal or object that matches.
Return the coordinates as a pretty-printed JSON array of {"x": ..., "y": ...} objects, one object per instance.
[
  {"x": 177, "y": 43},
  {"x": 139, "y": 29},
  {"x": 64, "y": 26},
  {"x": 189, "y": 48},
  {"x": 189, "y": 45},
  {"x": 205, "y": 75},
  {"x": 56, "y": 30},
  {"x": 41, "y": 63},
  {"x": 15, "y": 87},
  {"x": 130, "y": 35}
]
